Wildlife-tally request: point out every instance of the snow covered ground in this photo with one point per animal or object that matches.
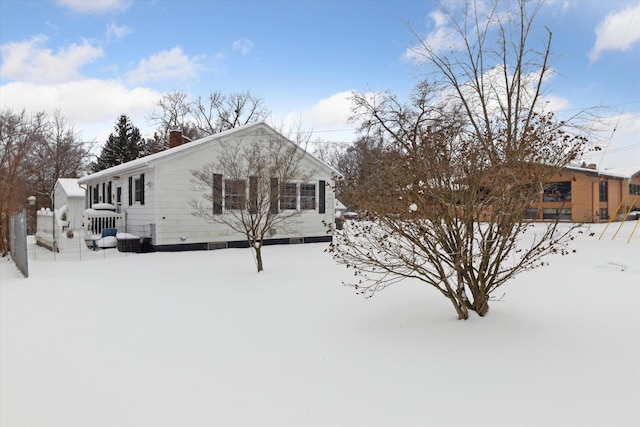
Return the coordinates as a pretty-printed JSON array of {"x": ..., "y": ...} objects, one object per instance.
[{"x": 201, "y": 339}]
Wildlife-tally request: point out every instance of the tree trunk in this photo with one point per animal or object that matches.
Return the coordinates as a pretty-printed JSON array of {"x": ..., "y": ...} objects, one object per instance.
[
  {"x": 481, "y": 305},
  {"x": 461, "y": 309},
  {"x": 258, "y": 250}
]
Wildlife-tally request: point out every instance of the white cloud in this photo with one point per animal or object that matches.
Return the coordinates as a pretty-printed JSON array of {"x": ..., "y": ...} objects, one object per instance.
[
  {"x": 165, "y": 65},
  {"x": 619, "y": 31},
  {"x": 243, "y": 45},
  {"x": 555, "y": 103},
  {"x": 95, "y": 6},
  {"x": 117, "y": 31},
  {"x": 331, "y": 112},
  {"x": 441, "y": 38},
  {"x": 93, "y": 105},
  {"x": 30, "y": 61},
  {"x": 328, "y": 118}
]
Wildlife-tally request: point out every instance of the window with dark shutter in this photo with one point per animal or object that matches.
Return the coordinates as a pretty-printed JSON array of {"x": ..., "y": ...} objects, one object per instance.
[
  {"x": 234, "y": 193},
  {"x": 138, "y": 189},
  {"x": 322, "y": 198},
  {"x": 130, "y": 191},
  {"x": 288, "y": 196},
  {"x": 216, "y": 194},
  {"x": 307, "y": 196}
]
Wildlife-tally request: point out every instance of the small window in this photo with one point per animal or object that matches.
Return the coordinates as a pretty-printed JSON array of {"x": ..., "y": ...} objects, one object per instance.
[
  {"x": 604, "y": 214},
  {"x": 532, "y": 214},
  {"x": 604, "y": 191},
  {"x": 556, "y": 214},
  {"x": 288, "y": 196},
  {"x": 308, "y": 196},
  {"x": 234, "y": 193}
]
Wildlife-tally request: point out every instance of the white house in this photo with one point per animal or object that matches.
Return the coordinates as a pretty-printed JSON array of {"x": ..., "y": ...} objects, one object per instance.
[
  {"x": 69, "y": 201},
  {"x": 153, "y": 194}
]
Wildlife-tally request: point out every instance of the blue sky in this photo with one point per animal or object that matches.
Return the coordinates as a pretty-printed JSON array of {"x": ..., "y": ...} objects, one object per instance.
[{"x": 96, "y": 59}]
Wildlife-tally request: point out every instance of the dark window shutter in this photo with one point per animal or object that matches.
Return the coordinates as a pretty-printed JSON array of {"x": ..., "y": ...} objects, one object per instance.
[
  {"x": 273, "y": 196},
  {"x": 130, "y": 191},
  {"x": 322, "y": 197},
  {"x": 216, "y": 195},
  {"x": 90, "y": 190},
  {"x": 142, "y": 189},
  {"x": 253, "y": 194},
  {"x": 104, "y": 193},
  {"x": 109, "y": 199}
]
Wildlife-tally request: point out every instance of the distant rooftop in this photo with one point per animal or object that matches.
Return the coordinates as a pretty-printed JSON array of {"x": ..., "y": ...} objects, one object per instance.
[{"x": 71, "y": 187}]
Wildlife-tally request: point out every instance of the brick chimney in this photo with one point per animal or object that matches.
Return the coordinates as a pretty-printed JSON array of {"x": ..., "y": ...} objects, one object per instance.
[{"x": 175, "y": 138}]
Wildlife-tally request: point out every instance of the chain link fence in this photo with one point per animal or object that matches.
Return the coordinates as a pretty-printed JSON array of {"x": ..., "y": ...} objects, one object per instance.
[
  {"x": 69, "y": 245},
  {"x": 18, "y": 241}
]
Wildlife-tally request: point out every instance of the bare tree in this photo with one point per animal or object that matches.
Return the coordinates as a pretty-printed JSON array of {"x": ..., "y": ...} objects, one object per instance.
[
  {"x": 204, "y": 116},
  {"x": 175, "y": 113},
  {"x": 19, "y": 133},
  {"x": 59, "y": 153},
  {"x": 252, "y": 188},
  {"x": 462, "y": 163},
  {"x": 219, "y": 112}
]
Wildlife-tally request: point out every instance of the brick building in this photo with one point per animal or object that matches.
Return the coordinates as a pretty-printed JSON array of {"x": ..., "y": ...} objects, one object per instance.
[{"x": 586, "y": 194}]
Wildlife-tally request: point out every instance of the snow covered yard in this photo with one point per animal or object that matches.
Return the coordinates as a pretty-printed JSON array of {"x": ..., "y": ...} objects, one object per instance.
[{"x": 201, "y": 339}]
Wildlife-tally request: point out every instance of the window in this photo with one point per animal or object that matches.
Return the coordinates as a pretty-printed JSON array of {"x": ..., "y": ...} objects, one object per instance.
[
  {"x": 634, "y": 188},
  {"x": 531, "y": 214},
  {"x": 557, "y": 192},
  {"x": 288, "y": 196},
  {"x": 557, "y": 214},
  {"x": 138, "y": 185},
  {"x": 604, "y": 214},
  {"x": 96, "y": 196},
  {"x": 307, "y": 196},
  {"x": 234, "y": 193},
  {"x": 604, "y": 191}
]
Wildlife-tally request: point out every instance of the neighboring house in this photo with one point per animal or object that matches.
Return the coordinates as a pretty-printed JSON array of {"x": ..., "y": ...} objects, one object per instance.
[
  {"x": 153, "y": 194},
  {"x": 586, "y": 194},
  {"x": 69, "y": 201}
]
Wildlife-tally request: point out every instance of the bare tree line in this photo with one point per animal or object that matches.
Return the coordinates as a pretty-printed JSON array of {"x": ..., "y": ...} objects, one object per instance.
[{"x": 35, "y": 150}]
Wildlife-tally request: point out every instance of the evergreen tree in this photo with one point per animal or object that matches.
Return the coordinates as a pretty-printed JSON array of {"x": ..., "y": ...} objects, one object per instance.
[{"x": 124, "y": 145}]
